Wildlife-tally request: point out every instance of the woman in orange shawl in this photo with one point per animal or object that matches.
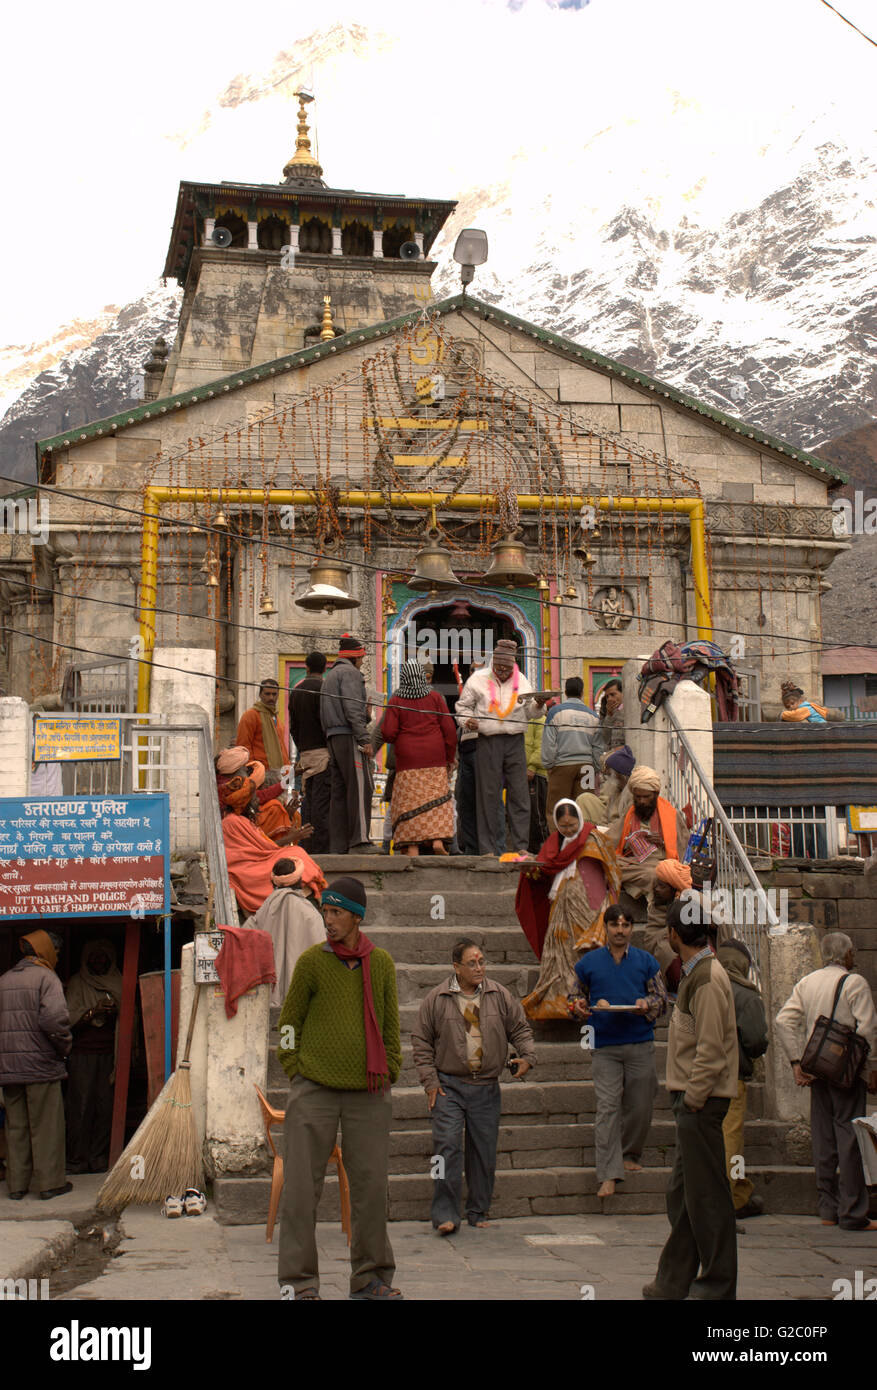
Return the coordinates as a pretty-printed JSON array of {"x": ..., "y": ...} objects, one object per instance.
[
  {"x": 251, "y": 856},
  {"x": 560, "y": 905}
]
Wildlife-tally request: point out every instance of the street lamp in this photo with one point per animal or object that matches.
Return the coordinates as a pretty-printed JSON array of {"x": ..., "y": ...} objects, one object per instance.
[{"x": 470, "y": 251}]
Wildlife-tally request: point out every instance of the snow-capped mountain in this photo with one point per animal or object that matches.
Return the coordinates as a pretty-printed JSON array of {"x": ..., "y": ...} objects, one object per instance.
[
  {"x": 96, "y": 379},
  {"x": 732, "y": 258}
]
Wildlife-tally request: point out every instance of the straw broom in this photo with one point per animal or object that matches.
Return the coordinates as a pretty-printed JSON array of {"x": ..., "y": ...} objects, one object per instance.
[{"x": 165, "y": 1149}]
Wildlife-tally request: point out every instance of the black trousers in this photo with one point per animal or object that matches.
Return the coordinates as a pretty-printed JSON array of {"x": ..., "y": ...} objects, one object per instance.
[
  {"x": 351, "y": 800},
  {"x": 501, "y": 762},
  {"x": 316, "y": 805},
  {"x": 89, "y": 1110},
  {"x": 538, "y": 823},
  {"x": 700, "y": 1208},
  {"x": 475, "y": 1109},
  {"x": 467, "y": 832}
]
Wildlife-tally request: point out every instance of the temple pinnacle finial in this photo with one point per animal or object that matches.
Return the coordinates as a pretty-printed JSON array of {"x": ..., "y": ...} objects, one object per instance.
[
  {"x": 327, "y": 331},
  {"x": 303, "y": 164}
]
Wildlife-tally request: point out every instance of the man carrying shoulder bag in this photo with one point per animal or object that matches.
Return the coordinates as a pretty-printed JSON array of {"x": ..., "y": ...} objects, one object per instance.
[{"x": 829, "y": 1025}]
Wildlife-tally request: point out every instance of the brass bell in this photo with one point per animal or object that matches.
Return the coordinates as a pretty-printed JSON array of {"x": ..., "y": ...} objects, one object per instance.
[
  {"x": 509, "y": 565},
  {"x": 542, "y": 584},
  {"x": 588, "y": 558},
  {"x": 572, "y": 591},
  {"x": 327, "y": 591},
  {"x": 221, "y": 520},
  {"x": 266, "y": 605},
  {"x": 432, "y": 569},
  {"x": 212, "y": 580},
  {"x": 558, "y": 599}
]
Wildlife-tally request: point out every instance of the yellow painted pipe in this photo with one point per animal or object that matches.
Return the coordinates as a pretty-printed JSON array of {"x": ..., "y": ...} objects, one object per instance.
[{"x": 156, "y": 497}]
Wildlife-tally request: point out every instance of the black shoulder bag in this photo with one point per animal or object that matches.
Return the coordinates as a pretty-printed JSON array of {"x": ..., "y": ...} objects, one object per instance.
[{"x": 835, "y": 1052}]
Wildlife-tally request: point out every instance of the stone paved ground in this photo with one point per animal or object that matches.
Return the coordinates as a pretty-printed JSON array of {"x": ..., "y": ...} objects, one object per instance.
[{"x": 527, "y": 1258}]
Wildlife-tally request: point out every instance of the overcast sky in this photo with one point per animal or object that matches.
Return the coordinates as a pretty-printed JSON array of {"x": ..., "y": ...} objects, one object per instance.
[{"x": 106, "y": 107}]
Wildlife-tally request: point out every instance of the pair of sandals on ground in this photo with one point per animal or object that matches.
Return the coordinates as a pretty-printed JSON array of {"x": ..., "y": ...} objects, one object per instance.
[{"x": 192, "y": 1203}]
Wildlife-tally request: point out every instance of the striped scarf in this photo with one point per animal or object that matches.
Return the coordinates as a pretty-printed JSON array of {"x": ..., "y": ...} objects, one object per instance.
[{"x": 413, "y": 684}]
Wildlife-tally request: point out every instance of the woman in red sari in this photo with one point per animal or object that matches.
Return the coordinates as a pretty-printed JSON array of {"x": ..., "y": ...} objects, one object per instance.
[
  {"x": 421, "y": 727},
  {"x": 560, "y": 905}
]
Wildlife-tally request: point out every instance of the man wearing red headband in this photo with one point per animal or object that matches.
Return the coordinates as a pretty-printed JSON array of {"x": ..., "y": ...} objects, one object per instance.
[{"x": 345, "y": 721}]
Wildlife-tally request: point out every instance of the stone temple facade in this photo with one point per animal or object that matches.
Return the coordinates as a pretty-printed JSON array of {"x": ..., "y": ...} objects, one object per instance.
[{"x": 319, "y": 404}]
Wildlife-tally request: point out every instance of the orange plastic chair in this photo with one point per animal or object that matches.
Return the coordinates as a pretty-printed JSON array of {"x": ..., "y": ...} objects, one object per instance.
[{"x": 273, "y": 1119}]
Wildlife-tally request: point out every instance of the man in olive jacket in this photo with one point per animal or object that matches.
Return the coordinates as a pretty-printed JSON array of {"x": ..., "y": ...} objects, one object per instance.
[
  {"x": 751, "y": 1043},
  {"x": 460, "y": 1044},
  {"x": 35, "y": 1038},
  {"x": 699, "y": 1259}
]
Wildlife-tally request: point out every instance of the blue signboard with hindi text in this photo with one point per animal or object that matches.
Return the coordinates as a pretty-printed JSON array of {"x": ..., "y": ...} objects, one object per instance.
[{"x": 84, "y": 856}]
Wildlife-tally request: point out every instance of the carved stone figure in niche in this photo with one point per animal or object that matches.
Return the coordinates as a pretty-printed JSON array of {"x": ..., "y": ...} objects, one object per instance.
[{"x": 613, "y": 609}]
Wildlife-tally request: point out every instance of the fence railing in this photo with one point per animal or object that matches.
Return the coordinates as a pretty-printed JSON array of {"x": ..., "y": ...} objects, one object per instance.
[
  {"x": 177, "y": 758},
  {"x": 804, "y": 832},
  {"x": 735, "y": 879}
]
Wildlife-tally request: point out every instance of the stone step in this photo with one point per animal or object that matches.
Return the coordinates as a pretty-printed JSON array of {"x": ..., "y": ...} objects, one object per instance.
[
  {"x": 430, "y": 942},
  {"x": 530, "y": 1102},
  {"x": 560, "y": 1061},
  {"x": 523, "y": 1192},
  {"x": 458, "y": 909},
  {"x": 475, "y": 873},
  {"x": 529, "y": 1146}
]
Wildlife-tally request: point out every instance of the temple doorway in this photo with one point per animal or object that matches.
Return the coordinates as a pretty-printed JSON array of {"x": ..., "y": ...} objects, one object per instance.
[{"x": 453, "y": 636}]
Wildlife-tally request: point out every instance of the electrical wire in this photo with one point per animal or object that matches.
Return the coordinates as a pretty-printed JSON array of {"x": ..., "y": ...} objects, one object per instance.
[
  {"x": 756, "y": 729},
  {"x": 808, "y": 644}
]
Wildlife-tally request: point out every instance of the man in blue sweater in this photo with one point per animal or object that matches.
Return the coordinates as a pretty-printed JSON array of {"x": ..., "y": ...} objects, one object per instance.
[{"x": 623, "y": 1056}]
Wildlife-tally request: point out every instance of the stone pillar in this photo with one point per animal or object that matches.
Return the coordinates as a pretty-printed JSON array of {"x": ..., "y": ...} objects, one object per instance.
[
  {"x": 378, "y": 251},
  {"x": 14, "y": 746},
  {"x": 252, "y": 236},
  {"x": 336, "y": 241},
  {"x": 792, "y": 952},
  {"x": 209, "y": 224},
  {"x": 184, "y": 696},
  {"x": 650, "y": 742},
  {"x": 418, "y": 237},
  {"x": 237, "y": 1057},
  {"x": 293, "y": 238}
]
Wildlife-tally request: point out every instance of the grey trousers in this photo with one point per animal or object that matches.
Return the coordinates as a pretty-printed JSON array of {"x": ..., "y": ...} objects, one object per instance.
[
  {"x": 313, "y": 1114},
  {"x": 625, "y": 1085},
  {"x": 840, "y": 1179},
  {"x": 351, "y": 794},
  {"x": 501, "y": 761},
  {"x": 475, "y": 1108},
  {"x": 34, "y": 1136},
  {"x": 700, "y": 1209}
]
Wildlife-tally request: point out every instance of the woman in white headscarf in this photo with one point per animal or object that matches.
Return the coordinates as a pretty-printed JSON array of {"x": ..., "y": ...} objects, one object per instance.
[{"x": 560, "y": 904}]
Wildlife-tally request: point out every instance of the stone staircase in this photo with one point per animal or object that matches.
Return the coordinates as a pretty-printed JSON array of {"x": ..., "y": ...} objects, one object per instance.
[{"x": 546, "y": 1138}]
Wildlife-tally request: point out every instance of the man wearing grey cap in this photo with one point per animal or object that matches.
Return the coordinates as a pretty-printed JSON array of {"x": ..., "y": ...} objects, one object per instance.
[{"x": 497, "y": 702}]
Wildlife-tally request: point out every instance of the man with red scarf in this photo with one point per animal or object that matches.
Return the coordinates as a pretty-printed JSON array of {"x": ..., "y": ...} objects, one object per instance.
[{"x": 340, "y": 1046}]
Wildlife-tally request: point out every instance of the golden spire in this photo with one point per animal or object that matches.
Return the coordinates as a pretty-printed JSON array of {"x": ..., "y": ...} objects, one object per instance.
[
  {"x": 327, "y": 330},
  {"x": 303, "y": 164}
]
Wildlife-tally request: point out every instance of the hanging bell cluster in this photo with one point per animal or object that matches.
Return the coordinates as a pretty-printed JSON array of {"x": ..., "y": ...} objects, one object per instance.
[
  {"x": 432, "y": 569},
  {"x": 509, "y": 567},
  {"x": 327, "y": 590}
]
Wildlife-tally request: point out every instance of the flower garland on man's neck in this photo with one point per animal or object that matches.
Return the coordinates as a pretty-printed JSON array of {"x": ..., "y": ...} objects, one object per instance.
[{"x": 493, "y": 693}]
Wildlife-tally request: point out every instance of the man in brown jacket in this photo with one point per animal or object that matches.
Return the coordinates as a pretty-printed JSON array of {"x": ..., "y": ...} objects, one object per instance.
[
  {"x": 460, "y": 1044},
  {"x": 701, "y": 1079},
  {"x": 35, "y": 1038}
]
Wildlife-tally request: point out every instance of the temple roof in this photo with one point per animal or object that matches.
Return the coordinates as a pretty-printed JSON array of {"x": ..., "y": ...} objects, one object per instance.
[{"x": 578, "y": 354}]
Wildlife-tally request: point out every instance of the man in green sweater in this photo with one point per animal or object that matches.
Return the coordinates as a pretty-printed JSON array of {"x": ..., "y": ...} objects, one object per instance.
[
  {"x": 699, "y": 1259},
  {"x": 340, "y": 1045}
]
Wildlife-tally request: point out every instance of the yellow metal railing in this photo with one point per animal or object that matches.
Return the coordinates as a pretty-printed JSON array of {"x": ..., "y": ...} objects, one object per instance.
[{"x": 156, "y": 497}]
